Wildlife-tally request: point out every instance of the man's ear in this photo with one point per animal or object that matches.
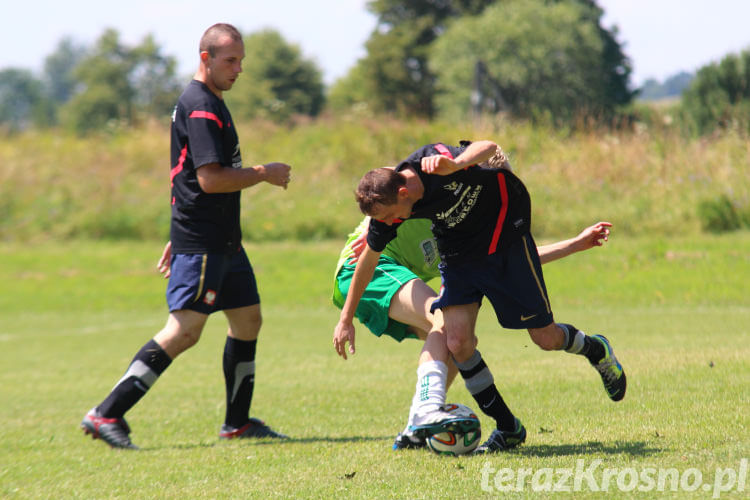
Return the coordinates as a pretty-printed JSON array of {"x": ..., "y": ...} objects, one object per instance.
[
  {"x": 204, "y": 56},
  {"x": 403, "y": 192}
]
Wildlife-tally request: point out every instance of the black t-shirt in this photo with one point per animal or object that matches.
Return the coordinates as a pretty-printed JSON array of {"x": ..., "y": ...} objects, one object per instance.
[
  {"x": 203, "y": 132},
  {"x": 474, "y": 212}
]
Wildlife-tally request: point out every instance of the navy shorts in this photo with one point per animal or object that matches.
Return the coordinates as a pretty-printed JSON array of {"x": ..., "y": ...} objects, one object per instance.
[
  {"x": 511, "y": 280},
  {"x": 211, "y": 282}
]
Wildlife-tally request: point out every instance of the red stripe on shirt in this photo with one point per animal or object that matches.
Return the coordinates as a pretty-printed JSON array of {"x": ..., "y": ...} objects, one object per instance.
[
  {"x": 503, "y": 212},
  {"x": 208, "y": 116},
  {"x": 443, "y": 150},
  {"x": 177, "y": 168}
]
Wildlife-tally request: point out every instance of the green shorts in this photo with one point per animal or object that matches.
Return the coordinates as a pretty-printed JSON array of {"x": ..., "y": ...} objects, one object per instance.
[{"x": 372, "y": 310}]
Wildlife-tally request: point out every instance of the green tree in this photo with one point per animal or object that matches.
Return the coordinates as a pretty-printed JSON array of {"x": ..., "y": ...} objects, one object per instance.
[
  {"x": 396, "y": 64},
  {"x": 22, "y": 101},
  {"x": 350, "y": 92},
  {"x": 120, "y": 84},
  {"x": 719, "y": 96},
  {"x": 277, "y": 82},
  {"x": 58, "y": 70},
  {"x": 616, "y": 67},
  {"x": 531, "y": 59},
  {"x": 106, "y": 94},
  {"x": 58, "y": 79},
  {"x": 153, "y": 79}
]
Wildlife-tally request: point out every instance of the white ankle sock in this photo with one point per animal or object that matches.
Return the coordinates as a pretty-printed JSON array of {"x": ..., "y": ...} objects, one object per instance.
[{"x": 430, "y": 389}]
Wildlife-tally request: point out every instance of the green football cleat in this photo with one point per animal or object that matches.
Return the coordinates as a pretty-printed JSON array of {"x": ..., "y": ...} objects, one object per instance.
[
  {"x": 613, "y": 376},
  {"x": 503, "y": 440}
]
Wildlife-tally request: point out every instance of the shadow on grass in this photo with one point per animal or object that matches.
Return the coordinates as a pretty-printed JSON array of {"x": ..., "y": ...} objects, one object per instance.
[
  {"x": 270, "y": 441},
  {"x": 178, "y": 446},
  {"x": 327, "y": 439},
  {"x": 634, "y": 449}
]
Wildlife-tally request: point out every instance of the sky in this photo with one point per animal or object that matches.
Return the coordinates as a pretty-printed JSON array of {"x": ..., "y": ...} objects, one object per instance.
[{"x": 661, "y": 37}]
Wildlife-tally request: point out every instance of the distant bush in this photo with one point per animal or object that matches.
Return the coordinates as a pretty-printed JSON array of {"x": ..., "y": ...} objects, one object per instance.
[
  {"x": 719, "y": 96},
  {"x": 672, "y": 87},
  {"x": 722, "y": 214}
]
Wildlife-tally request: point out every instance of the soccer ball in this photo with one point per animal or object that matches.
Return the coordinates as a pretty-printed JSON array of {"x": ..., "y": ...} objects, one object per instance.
[{"x": 462, "y": 438}]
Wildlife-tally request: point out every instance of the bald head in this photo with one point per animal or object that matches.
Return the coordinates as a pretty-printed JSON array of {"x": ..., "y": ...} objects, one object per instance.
[
  {"x": 221, "y": 55},
  {"x": 214, "y": 35}
]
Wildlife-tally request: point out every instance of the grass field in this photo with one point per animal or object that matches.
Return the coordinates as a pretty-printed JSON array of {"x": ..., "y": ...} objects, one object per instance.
[{"x": 676, "y": 310}]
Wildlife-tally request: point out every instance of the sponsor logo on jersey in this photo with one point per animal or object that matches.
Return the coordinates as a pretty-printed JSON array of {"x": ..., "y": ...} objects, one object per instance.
[
  {"x": 454, "y": 187},
  {"x": 456, "y": 214}
]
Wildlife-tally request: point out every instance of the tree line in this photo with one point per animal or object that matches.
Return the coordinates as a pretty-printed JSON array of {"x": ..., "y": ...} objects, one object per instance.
[{"x": 537, "y": 60}]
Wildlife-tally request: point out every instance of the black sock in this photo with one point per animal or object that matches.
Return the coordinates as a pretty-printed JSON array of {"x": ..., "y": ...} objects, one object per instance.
[
  {"x": 147, "y": 365},
  {"x": 239, "y": 376},
  {"x": 578, "y": 342},
  {"x": 481, "y": 385},
  {"x": 493, "y": 405}
]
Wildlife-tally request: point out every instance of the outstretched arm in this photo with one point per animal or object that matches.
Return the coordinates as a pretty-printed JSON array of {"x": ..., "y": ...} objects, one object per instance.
[
  {"x": 592, "y": 236},
  {"x": 214, "y": 178}
]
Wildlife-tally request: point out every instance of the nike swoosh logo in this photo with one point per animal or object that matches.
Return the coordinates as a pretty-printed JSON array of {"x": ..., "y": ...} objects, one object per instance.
[
  {"x": 524, "y": 318},
  {"x": 490, "y": 403}
]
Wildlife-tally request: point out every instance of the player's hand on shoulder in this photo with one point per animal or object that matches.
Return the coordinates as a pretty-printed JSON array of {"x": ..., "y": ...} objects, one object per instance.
[
  {"x": 358, "y": 246},
  {"x": 278, "y": 174},
  {"x": 438, "y": 164}
]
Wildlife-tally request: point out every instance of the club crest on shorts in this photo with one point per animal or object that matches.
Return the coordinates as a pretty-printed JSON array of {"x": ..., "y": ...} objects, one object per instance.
[{"x": 210, "y": 297}]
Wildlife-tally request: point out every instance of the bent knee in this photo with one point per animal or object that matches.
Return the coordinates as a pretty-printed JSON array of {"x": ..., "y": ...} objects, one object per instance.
[
  {"x": 461, "y": 342},
  {"x": 547, "y": 339},
  {"x": 189, "y": 338},
  {"x": 545, "y": 344},
  {"x": 175, "y": 342}
]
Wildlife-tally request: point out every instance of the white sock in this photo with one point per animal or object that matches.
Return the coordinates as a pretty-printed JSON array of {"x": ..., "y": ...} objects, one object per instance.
[{"x": 430, "y": 389}]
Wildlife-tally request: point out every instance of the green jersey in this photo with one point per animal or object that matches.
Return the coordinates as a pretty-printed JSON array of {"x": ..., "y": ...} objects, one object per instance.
[{"x": 414, "y": 248}]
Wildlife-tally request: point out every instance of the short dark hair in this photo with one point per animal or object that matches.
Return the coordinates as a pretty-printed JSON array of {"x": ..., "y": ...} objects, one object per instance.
[
  {"x": 210, "y": 39},
  {"x": 378, "y": 186}
]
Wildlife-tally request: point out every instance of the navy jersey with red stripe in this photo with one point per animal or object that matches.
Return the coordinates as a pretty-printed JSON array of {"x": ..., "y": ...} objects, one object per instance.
[
  {"x": 475, "y": 211},
  {"x": 203, "y": 132}
]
